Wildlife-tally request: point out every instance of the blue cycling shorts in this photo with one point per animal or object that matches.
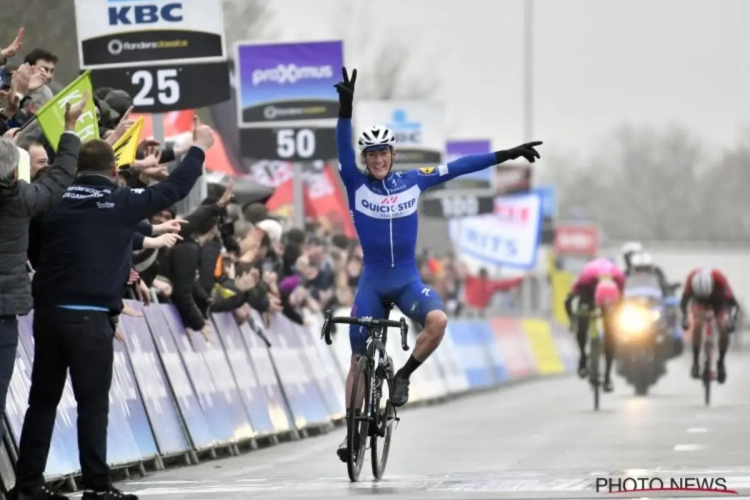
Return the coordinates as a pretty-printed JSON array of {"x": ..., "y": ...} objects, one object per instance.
[{"x": 402, "y": 285}]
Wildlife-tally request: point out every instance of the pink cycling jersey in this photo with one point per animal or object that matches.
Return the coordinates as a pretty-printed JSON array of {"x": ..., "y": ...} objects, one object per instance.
[{"x": 595, "y": 269}]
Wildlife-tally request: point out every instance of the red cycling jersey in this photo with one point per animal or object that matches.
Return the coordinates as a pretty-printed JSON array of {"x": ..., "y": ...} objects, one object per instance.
[{"x": 722, "y": 292}]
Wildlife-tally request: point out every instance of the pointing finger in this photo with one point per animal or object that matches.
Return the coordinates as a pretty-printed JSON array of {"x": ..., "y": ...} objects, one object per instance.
[{"x": 533, "y": 144}]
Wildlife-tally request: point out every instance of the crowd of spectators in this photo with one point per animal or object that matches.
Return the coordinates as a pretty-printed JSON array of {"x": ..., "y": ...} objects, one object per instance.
[{"x": 227, "y": 257}]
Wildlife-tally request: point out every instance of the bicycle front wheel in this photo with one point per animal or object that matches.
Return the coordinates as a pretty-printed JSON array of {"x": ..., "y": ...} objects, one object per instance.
[
  {"x": 358, "y": 421},
  {"x": 384, "y": 428},
  {"x": 595, "y": 369}
]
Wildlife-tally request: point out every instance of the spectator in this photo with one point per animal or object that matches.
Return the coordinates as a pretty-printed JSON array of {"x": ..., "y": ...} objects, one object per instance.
[
  {"x": 84, "y": 266},
  {"x": 38, "y": 157},
  {"x": 43, "y": 62},
  {"x": 182, "y": 269},
  {"x": 19, "y": 202},
  {"x": 480, "y": 289}
]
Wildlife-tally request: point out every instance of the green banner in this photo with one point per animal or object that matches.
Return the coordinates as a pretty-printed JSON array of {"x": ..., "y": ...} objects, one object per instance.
[{"x": 51, "y": 116}]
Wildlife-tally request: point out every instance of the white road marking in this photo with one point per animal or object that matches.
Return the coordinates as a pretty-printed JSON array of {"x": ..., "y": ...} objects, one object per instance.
[{"x": 687, "y": 447}]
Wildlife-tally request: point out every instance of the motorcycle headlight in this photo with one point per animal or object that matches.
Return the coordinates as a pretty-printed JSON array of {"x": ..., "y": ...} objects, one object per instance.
[{"x": 635, "y": 320}]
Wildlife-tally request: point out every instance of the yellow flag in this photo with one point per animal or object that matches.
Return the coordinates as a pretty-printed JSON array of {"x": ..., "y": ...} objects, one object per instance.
[{"x": 127, "y": 145}]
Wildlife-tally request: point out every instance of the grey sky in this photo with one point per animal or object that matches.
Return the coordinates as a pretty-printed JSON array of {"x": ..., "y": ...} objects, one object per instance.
[{"x": 599, "y": 63}]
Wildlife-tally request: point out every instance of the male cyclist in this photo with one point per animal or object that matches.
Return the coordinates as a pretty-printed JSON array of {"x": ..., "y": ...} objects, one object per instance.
[
  {"x": 708, "y": 290},
  {"x": 584, "y": 289},
  {"x": 383, "y": 205}
]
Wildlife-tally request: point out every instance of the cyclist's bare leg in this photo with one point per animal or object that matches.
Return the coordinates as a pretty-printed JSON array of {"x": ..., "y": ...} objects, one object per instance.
[
  {"x": 428, "y": 340},
  {"x": 722, "y": 321},
  {"x": 696, "y": 323},
  {"x": 343, "y": 449},
  {"x": 350, "y": 384}
]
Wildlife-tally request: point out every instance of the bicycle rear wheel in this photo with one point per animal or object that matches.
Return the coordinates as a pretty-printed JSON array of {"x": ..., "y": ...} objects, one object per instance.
[
  {"x": 358, "y": 421},
  {"x": 384, "y": 429},
  {"x": 595, "y": 369}
]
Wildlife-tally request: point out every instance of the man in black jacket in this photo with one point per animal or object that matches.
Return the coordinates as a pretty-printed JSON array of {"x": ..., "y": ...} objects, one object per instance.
[
  {"x": 83, "y": 269},
  {"x": 19, "y": 202}
]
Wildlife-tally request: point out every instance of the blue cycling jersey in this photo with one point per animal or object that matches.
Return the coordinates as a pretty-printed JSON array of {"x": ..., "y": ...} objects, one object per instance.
[
  {"x": 385, "y": 217},
  {"x": 385, "y": 211}
]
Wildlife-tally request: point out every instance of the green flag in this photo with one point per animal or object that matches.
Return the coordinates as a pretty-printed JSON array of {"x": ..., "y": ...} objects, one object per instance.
[{"x": 51, "y": 116}]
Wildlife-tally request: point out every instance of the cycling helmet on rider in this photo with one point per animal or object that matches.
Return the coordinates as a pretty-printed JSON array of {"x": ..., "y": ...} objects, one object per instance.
[
  {"x": 702, "y": 283},
  {"x": 607, "y": 293},
  {"x": 376, "y": 146}
]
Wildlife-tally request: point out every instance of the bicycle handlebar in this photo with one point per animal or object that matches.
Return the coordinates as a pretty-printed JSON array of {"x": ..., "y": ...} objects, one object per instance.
[{"x": 329, "y": 320}]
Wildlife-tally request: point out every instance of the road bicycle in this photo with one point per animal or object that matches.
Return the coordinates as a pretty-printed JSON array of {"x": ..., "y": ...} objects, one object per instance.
[{"x": 374, "y": 372}]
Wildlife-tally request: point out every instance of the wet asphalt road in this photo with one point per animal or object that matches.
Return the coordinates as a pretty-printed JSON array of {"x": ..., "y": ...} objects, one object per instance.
[{"x": 538, "y": 439}]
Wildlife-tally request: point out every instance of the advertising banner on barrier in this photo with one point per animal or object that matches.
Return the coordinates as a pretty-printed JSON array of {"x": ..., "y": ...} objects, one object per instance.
[
  {"x": 566, "y": 346},
  {"x": 417, "y": 125},
  {"x": 513, "y": 346},
  {"x": 121, "y": 447},
  {"x": 61, "y": 459},
  {"x": 301, "y": 389},
  {"x": 201, "y": 435},
  {"x": 471, "y": 352},
  {"x": 287, "y": 82},
  {"x": 266, "y": 373},
  {"x": 539, "y": 333},
  {"x": 330, "y": 387},
  {"x": 508, "y": 238},
  {"x": 152, "y": 385},
  {"x": 487, "y": 338},
  {"x": 214, "y": 407},
  {"x": 125, "y": 393},
  {"x": 223, "y": 379},
  {"x": 65, "y": 435},
  {"x": 251, "y": 392}
]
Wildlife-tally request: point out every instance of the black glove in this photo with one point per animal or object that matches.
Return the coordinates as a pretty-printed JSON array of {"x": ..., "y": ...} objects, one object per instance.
[
  {"x": 346, "y": 93},
  {"x": 526, "y": 150}
]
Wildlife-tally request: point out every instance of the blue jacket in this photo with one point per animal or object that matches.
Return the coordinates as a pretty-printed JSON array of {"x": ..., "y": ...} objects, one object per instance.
[{"x": 86, "y": 249}]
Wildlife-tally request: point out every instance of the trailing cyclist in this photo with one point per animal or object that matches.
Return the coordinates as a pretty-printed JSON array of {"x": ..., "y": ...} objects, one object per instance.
[
  {"x": 383, "y": 204},
  {"x": 643, "y": 262},
  {"x": 584, "y": 289},
  {"x": 708, "y": 290}
]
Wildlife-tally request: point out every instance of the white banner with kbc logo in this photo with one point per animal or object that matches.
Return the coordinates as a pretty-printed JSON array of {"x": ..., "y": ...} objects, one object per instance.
[{"x": 507, "y": 238}]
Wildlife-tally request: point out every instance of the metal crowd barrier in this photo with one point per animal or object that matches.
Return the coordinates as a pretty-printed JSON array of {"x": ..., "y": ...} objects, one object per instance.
[{"x": 176, "y": 398}]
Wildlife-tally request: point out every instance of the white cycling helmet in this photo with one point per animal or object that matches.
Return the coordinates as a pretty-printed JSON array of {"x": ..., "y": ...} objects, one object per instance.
[
  {"x": 631, "y": 247},
  {"x": 377, "y": 135},
  {"x": 702, "y": 283},
  {"x": 642, "y": 259}
]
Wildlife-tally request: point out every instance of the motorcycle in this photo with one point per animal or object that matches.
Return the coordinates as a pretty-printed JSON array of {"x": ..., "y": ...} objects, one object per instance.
[{"x": 643, "y": 342}]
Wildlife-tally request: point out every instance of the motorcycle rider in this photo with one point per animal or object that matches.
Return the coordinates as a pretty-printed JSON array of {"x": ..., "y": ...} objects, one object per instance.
[
  {"x": 628, "y": 250},
  {"x": 643, "y": 262},
  {"x": 709, "y": 291}
]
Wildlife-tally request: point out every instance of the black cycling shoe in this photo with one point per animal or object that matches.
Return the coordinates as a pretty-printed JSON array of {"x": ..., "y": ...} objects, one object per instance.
[
  {"x": 721, "y": 373},
  {"x": 343, "y": 451},
  {"x": 695, "y": 371},
  {"x": 400, "y": 394},
  {"x": 583, "y": 369},
  {"x": 608, "y": 385}
]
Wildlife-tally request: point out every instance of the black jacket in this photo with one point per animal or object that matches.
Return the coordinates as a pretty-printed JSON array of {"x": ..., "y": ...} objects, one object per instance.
[
  {"x": 19, "y": 202},
  {"x": 86, "y": 249},
  {"x": 182, "y": 265}
]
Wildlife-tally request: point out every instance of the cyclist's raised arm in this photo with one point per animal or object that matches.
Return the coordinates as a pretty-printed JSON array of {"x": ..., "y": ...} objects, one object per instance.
[
  {"x": 347, "y": 158},
  {"x": 428, "y": 177}
]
